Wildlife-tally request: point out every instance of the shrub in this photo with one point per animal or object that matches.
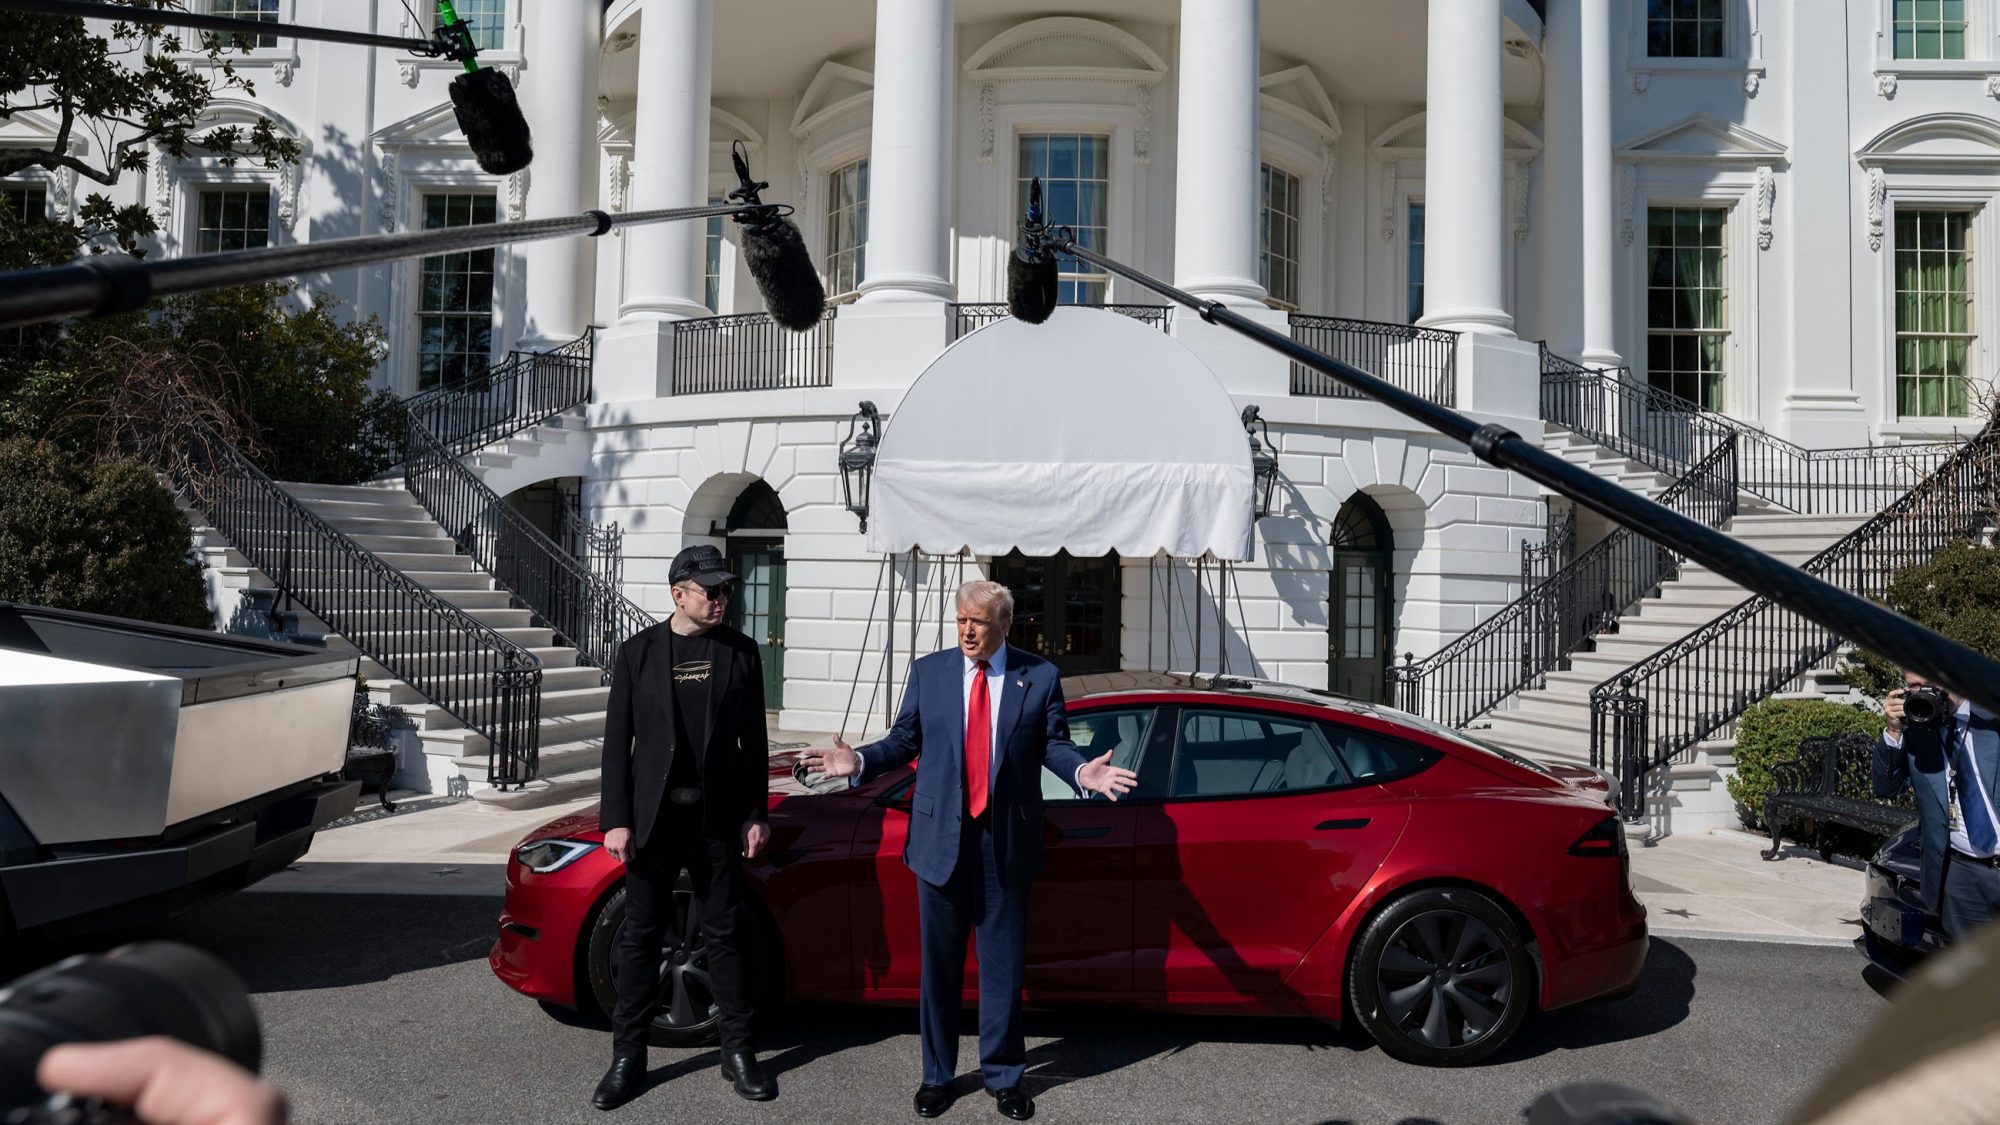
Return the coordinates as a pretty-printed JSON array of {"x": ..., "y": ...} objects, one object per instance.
[
  {"x": 1769, "y": 734},
  {"x": 98, "y": 536},
  {"x": 1956, "y": 592}
]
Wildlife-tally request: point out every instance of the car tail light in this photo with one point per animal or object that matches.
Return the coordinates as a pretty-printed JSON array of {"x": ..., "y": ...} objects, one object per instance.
[{"x": 1605, "y": 838}]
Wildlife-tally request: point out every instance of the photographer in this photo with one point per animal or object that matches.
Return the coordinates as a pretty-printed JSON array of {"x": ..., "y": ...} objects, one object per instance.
[{"x": 1948, "y": 752}]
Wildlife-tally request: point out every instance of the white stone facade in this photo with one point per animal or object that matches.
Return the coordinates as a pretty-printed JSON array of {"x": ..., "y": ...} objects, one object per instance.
[{"x": 1536, "y": 137}]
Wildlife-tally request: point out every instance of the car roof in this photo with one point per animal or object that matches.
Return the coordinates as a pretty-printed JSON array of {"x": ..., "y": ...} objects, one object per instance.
[{"x": 1077, "y": 689}]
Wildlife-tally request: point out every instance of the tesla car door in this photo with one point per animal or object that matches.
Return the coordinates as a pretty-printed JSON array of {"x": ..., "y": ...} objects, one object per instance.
[
  {"x": 1080, "y": 908},
  {"x": 1264, "y": 836}
]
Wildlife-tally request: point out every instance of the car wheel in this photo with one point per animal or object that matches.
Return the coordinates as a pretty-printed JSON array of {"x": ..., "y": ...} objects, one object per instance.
[
  {"x": 1440, "y": 977},
  {"x": 688, "y": 1014}
]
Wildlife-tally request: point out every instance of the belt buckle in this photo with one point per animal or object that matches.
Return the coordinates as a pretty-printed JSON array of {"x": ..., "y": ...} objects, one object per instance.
[{"x": 684, "y": 795}]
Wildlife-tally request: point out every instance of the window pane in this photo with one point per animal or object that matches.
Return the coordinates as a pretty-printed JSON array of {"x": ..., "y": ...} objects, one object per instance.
[
  {"x": 455, "y": 300},
  {"x": 1230, "y": 754},
  {"x": 1074, "y": 170}
]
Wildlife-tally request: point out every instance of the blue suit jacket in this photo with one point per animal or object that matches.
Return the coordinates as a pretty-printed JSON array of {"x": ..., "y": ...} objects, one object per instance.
[
  {"x": 1919, "y": 764},
  {"x": 1032, "y": 730}
]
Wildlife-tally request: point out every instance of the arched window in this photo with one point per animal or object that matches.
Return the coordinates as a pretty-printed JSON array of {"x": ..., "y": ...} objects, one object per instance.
[{"x": 1359, "y": 630}]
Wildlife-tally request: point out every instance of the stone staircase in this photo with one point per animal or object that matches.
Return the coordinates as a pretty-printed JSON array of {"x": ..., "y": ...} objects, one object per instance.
[
  {"x": 1553, "y": 722},
  {"x": 1631, "y": 475},
  {"x": 384, "y": 518}
]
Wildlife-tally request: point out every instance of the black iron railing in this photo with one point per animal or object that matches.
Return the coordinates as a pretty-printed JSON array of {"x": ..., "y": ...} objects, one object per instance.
[
  {"x": 1557, "y": 548},
  {"x": 525, "y": 389},
  {"x": 1695, "y": 688},
  {"x": 1422, "y": 361},
  {"x": 488, "y": 682},
  {"x": 1669, "y": 433},
  {"x": 749, "y": 352},
  {"x": 586, "y": 612},
  {"x": 1515, "y": 649},
  {"x": 972, "y": 317}
]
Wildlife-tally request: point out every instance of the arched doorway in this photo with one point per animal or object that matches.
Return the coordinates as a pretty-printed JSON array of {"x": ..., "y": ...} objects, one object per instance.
[
  {"x": 1359, "y": 618},
  {"x": 756, "y": 530}
]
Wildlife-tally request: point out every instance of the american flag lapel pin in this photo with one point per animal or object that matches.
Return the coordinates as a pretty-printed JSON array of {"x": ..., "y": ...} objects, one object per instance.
[{"x": 1020, "y": 683}]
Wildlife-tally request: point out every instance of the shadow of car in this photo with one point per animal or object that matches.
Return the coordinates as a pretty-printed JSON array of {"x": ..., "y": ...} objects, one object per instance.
[{"x": 1898, "y": 934}]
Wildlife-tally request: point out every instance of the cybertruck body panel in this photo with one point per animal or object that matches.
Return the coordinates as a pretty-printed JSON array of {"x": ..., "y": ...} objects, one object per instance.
[{"x": 146, "y": 768}]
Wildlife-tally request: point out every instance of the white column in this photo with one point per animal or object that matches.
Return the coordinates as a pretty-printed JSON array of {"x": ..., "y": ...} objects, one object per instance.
[
  {"x": 1216, "y": 197},
  {"x": 1600, "y": 323},
  {"x": 909, "y": 159},
  {"x": 1561, "y": 225},
  {"x": 559, "y": 76},
  {"x": 1465, "y": 171},
  {"x": 663, "y": 278}
]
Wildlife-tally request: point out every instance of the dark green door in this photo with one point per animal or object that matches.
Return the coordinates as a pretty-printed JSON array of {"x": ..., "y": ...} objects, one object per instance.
[
  {"x": 758, "y": 609},
  {"x": 1065, "y": 609},
  {"x": 1360, "y": 633}
]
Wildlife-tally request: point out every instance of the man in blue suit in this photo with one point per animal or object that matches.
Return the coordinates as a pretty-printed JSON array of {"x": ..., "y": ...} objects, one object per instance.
[
  {"x": 985, "y": 718},
  {"x": 1955, "y": 771}
]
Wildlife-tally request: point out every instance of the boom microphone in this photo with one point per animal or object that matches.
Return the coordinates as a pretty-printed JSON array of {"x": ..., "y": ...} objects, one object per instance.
[
  {"x": 483, "y": 101},
  {"x": 1031, "y": 268},
  {"x": 776, "y": 254}
]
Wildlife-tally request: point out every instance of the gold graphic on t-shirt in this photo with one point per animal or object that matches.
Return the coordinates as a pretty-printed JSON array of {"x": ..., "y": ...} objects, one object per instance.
[{"x": 693, "y": 671}]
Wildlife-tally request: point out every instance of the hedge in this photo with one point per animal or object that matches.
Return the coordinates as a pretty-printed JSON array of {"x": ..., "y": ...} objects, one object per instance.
[{"x": 1769, "y": 734}]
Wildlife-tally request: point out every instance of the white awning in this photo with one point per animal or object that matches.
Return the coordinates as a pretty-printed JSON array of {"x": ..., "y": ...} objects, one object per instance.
[{"x": 1091, "y": 433}]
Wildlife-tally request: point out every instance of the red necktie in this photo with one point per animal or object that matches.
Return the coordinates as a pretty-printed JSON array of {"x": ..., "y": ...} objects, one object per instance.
[{"x": 978, "y": 743}]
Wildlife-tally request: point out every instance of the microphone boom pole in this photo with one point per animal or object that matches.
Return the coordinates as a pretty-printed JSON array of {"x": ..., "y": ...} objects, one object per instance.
[
  {"x": 107, "y": 284},
  {"x": 1970, "y": 674}
]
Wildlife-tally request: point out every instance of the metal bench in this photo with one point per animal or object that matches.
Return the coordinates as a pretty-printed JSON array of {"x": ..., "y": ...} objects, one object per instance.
[
  {"x": 371, "y": 757},
  {"x": 1827, "y": 783}
]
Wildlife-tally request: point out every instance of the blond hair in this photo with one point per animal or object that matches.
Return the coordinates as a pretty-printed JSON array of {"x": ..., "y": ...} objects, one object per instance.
[{"x": 989, "y": 595}]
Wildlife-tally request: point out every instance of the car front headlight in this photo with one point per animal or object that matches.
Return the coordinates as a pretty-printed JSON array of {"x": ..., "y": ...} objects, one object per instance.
[{"x": 544, "y": 856}]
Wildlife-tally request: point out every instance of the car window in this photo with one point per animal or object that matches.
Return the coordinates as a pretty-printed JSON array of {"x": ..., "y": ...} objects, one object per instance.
[
  {"x": 1372, "y": 758},
  {"x": 1472, "y": 742},
  {"x": 1228, "y": 753},
  {"x": 1121, "y": 731}
]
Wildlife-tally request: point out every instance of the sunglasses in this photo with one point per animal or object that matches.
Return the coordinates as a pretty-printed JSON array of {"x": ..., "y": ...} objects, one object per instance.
[{"x": 716, "y": 593}]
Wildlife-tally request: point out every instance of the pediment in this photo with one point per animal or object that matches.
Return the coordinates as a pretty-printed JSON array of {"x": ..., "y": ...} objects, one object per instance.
[
  {"x": 1296, "y": 95},
  {"x": 1059, "y": 47},
  {"x": 1409, "y": 137},
  {"x": 28, "y": 123},
  {"x": 1699, "y": 137},
  {"x": 436, "y": 127},
  {"x": 1943, "y": 138},
  {"x": 836, "y": 89},
  {"x": 725, "y": 129},
  {"x": 235, "y": 111}
]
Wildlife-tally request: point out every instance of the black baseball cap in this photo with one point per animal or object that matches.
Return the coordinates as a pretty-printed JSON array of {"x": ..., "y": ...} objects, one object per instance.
[{"x": 701, "y": 564}]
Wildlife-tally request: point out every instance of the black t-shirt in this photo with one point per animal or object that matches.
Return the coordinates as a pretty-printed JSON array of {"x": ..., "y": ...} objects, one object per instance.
[{"x": 694, "y": 662}]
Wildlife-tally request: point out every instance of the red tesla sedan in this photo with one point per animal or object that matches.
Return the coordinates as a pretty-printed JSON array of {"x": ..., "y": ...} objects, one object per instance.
[{"x": 1286, "y": 852}]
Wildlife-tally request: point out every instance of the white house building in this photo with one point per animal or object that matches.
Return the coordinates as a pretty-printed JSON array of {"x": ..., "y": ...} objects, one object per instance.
[{"x": 1778, "y": 211}]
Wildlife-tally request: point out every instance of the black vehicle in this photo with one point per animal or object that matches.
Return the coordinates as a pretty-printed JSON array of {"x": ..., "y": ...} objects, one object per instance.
[{"x": 1898, "y": 933}]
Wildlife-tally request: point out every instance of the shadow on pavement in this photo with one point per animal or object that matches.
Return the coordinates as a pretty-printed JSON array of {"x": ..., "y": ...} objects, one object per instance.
[{"x": 1663, "y": 999}]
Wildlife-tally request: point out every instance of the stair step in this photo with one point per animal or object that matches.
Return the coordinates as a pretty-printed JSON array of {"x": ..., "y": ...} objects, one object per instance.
[
  {"x": 437, "y": 544},
  {"x": 542, "y": 793},
  {"x": 552, "y": 656},
  {"x": 378, "y": 505},
  {"x": 356, "y": 492},
  {"x": 492, "y": 618},
  {"x": 550, "y": 761},
  {"x": 421, "y": 526}
]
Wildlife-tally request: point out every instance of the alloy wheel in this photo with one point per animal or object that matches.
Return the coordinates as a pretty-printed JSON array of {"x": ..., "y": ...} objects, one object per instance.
[{"x": 1444, "y": 979}]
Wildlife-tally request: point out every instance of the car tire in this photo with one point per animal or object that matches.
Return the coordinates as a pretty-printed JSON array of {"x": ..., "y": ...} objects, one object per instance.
[
  {"x": 688, "y": 1016},
  {"x": 1440, "y": 977}
]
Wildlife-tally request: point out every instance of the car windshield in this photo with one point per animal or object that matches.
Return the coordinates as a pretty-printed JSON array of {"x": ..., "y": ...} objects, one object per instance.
[{"x": 1460, "y": 738}]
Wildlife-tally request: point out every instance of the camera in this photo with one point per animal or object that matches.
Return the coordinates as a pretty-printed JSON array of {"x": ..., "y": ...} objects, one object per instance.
[
  {"x": 1927, "y": 706},
  {"x": 149, "y": 988}
]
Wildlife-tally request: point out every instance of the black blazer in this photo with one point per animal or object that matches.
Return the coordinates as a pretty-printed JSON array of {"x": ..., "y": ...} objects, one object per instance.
[{"x": 639, "y": 736}]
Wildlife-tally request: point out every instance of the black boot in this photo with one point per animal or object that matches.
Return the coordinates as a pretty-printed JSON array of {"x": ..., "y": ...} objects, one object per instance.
[
  {"x": 747, "y": 1075},
  {"x": 624, "y": 1081}
]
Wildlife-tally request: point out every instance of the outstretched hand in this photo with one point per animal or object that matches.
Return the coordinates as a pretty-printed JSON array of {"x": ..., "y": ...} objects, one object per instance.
[
  {"x": 838, "y": 761},
  {"x": 1099, "y": 776}
]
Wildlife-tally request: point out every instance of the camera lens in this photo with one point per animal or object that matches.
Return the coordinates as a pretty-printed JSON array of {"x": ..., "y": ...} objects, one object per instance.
[
  {"x": 153, "y": 988},
  {"x": 1925, "y": 706}
]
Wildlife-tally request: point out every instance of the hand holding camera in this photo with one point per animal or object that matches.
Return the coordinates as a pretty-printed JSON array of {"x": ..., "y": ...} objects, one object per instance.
[{"x": 1923, "y": 706}]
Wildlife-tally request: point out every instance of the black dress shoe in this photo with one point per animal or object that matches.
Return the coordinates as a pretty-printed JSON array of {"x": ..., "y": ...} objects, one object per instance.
[
  {"x": 1014, "y": 1103},
  {"x": 933, "y": 1100},
  {"x": 624, "y": 1081},
  {"x": 747, "y": 1075}
]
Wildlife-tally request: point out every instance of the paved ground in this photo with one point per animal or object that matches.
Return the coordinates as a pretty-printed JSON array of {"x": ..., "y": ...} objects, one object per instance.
[{"x": 381, "y": 1009}]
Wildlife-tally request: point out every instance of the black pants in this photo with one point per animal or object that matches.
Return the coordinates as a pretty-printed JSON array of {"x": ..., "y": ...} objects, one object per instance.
[{"x": 716, "y": 875}]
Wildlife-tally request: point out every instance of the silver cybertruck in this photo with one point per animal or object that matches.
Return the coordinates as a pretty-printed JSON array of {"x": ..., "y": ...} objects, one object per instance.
[{"x": 145, "y": 769}]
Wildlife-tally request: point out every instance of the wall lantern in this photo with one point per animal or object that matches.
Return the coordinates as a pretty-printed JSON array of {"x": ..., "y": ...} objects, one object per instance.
[
  {"x": 1263, "y": 459},
  {"x": 857, "y": 459}
]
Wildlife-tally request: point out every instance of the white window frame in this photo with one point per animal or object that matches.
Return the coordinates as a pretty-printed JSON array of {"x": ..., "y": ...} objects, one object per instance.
[
  {"x": 1733, "y": 189},
  {"x": 419, "y": 173},
  {"x": 1742, "y": 48},
  {"x": 281, "y": 47},
  {"x": 824, "y": 247},
  {"x": 1113, "y": 122},
  {"x": 1974, "y": 381},
  {"x": 1079, "y": 275},
  {"x": 507, "y": 58},
  {"x": 192, "y": 177},
  {"x": 1645, "y": 328},
  {"x": 414, "y": 292},
  {"x": 1982, "y": 59},
  {"x": 1934, "y": 193},
  {"x": 36, "y": 178},
  {"x": 1396, "y": 179},
  {"x": 191, "y": 227},
  {"x": 1298, "y": 217}
]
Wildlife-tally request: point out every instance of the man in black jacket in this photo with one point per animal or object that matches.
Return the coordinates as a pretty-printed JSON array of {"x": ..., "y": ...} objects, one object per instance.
[{"x": 685, "y": 761}]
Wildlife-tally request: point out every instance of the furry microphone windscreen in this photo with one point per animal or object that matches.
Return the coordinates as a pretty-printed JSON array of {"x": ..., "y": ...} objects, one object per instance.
[
  {"x": 778, "y": 261},
  {"x": 1031, "y": 286},
  {"x": 491, "y": 120}
]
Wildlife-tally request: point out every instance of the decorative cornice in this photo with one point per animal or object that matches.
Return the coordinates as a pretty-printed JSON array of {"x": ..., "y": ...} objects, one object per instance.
[
  {"x": 284, "y": 68},
  {"x": 1628, "y": 186},
  {"x": 986, "y": 98},
  {"x": 1517, "y": 173},
  {"x": 1885, "y": 85},
  {"x": 1993, "y": 85},
  {"x": 288, "y": 193},
  {"x": 1767, "y": 189},
  {"x": 163, "y": 188},
  {"x": 1878, "y": 196},
  {"x": 389, "y": 191},
  {"x": 1142, "y": 131},
  {"x": 619, "y": 179},
  {"x": 1642, "y": 80},
  {"x": 517, "y": 196},
  {"x": 1751, "y": 80},
  {"x": 407, "y": 72},
  {"x": 1326, "y": 182}
]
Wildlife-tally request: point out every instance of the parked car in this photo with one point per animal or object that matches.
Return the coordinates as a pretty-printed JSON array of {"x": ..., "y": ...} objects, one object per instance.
[
  {"x": 145, "y": 769},
  {"x": 1897, "y": 932},
  {"x": 1287, "y": 852}
]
